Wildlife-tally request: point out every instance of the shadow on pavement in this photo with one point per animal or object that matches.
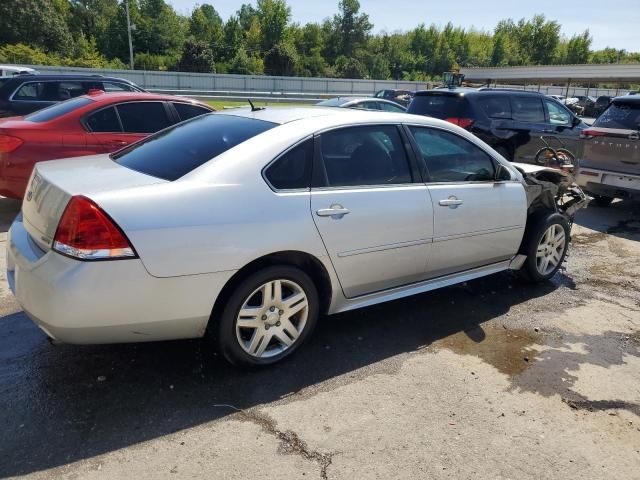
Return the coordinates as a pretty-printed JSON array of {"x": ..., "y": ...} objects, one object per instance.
[
  {"x": 55, "y": 410},
  {"x": 621, "y": 219}
]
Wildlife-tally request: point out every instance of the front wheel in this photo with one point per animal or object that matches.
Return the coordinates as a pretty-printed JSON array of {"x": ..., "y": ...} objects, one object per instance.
[
  {"x": 546, "y": 244},
  {"x": 268, "y": 316}
]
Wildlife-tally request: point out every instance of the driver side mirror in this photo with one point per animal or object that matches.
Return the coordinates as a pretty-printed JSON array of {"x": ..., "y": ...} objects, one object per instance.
[{"x": 502, "y": 173}]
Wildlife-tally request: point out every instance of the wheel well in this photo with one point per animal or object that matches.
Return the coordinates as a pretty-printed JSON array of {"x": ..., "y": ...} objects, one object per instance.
[
  {"x": 533, "y": 218},
  {"x": 304, "y": 261}
]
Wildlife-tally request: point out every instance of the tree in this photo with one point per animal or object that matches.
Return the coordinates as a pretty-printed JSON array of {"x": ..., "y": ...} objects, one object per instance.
[
  {"x": 159, "y": 30},
  {"x": 246, "y": 15},
  {"x": 233, "y": 37},
  {"x": 281, "y": 59},
  {"x": 353, "y": 27},
  {"x": 578, "y": 48},
  {"x": 274, "y": 16},
  {"x": 350, "y": 68},
  {"x": 41, "y": 23},
  {"x": 197, "y": 57},
  {"x": 244, "y": 64},
  {"x": 205, "y": 25}
]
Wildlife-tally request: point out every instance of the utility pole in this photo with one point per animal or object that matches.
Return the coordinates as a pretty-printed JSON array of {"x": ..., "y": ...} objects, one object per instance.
[{"x": 126, "y": 7}]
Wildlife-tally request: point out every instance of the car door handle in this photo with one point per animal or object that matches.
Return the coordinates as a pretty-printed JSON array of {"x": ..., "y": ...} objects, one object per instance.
[
  {"x": 337, "y": 211},
  {"x": 451, "y": 202},
  {"x": 548, "y": 130}
]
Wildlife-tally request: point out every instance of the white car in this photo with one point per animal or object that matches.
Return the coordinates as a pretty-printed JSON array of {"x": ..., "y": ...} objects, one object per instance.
[
  {"x": 11, "y": 70},
  {"x": 248, "y": 224}
]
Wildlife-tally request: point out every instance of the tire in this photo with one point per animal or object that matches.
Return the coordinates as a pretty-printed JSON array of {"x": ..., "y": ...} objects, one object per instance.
[
  {"x": 602, "y": 200},
  {"x": 538, "y": 247},
  {"x": 505, "y": 152},
  {"x": 543, "y": 155},
  {"x": 269, "y": 334}
]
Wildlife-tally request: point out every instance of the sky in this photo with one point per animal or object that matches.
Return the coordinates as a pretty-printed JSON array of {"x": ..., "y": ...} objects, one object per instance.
[{"x": 618, "y": 28}]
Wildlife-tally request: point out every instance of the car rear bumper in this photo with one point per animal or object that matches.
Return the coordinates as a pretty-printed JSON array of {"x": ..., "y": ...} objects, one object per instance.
[
  {"x": 607, "y": 183},
  {"x": 106, "y": 301}
]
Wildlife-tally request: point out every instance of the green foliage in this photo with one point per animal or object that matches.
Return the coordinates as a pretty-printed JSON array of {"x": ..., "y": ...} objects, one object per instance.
[
  {"x": 261, "y": 38},
  {"x": 281, "y": 59},
  {"x": 197, "y": 57}
]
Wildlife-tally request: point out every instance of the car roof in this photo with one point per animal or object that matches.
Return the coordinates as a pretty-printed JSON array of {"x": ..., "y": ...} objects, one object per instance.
[
  {"x": 467, "y": 91},
  {"x": 628, "y": 99},
  {"x": 114, "y": 97},
  {"x": 50, "y": 77},
  {"x": 282, "y": 115}
]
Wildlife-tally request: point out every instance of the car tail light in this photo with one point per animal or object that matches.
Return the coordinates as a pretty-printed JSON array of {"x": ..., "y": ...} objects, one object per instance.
[
  {"x": 8, "y": 143},
  {"x": 461, "y": 122},
  {"x": 592, "y": 133},
  {"x": 86, "y": 232}
]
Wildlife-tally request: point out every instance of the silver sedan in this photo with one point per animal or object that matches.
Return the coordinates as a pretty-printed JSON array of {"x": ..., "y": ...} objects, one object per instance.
[{"x": 249, "y": 224}]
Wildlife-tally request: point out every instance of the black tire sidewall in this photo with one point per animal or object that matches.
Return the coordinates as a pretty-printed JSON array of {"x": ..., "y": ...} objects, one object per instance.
[
  {"x": 534, "y": 234},
  {"x": 225, "y": 337}
]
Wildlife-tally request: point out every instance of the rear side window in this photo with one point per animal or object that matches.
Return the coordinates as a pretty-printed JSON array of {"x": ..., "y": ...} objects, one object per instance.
[
  {"x": 527, "y": 109},
  {"x": 624, "y": 116},
  {"x": 389, "y": 107},
  {"x": 293, "y": 169},
  {"x": 359, "y": 156},
  {"x": 188, "y": 110},
  {"x": 103, "y": 121},
  {"x": 30, "y": 91},
  {"x": 438, "y": 106},
  {"x": 495, "y": 107},
  {"x": 143, "y": 117},
  {"x": 58, "y": 110},
  {"x": 176, "y": 151},
  {"x": 450, "y": 158}
]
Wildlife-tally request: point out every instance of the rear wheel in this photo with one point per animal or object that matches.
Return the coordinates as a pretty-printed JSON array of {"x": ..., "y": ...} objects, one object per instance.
[
  {"x": 546, "y": 244},
  {"x": 268, "y": 316}
]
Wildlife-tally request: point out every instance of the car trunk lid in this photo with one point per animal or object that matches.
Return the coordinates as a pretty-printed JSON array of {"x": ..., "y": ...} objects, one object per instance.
[{"x": 52, "y": 184}]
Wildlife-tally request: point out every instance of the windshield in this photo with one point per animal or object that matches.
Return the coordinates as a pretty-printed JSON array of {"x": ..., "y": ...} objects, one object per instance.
[
  {"x": 438, "y": 106},
  {"x": 57, "y": 110},
  {"x": 625, "y": 116},
  {"x": 176, "y": 151}
]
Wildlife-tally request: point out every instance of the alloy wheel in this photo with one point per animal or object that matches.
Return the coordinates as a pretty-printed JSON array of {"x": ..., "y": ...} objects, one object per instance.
[
  {"x": 550, "y": 249},
  {"x": 272, "y": 318}
]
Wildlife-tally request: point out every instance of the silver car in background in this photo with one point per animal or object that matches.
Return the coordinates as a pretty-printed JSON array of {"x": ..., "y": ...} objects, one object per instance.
[{"x": 250, "y": 224}]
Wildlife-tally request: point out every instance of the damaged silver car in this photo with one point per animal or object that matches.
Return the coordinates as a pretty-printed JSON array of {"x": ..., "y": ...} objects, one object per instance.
[{"x": 249, "y": 224}]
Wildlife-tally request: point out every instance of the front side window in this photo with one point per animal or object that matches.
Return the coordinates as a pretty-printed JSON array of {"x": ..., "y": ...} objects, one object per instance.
[
  {"x": 450, "y": 158},
  {"x": 557, "y": 114},
  {"x": 117, "y": 87},
  {"x": 178, "y": 150},
  {"x": 293, "y": 169},
  {"x": 360, "y": 156},
  {"x": 104, "y": 121},
  {"x": 527, "y": 109},
  {"x": 143, "y": 117}
]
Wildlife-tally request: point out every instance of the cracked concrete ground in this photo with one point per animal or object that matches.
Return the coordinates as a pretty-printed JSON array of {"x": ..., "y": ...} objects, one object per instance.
[{"x": 489, "y": 379}]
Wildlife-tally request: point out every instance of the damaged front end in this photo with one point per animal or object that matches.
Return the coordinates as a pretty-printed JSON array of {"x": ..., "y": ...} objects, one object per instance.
[{"x": 552, "y": 189}]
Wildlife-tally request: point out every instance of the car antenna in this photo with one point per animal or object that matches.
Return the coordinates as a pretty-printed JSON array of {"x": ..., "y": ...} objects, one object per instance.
[{"x": 253, "y": 107}]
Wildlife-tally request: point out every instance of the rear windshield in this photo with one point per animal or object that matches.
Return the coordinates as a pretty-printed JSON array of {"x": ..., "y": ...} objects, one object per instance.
[
  {"x": 438, "y": 106},
  {"x": 624, "y": 116},
  {"x": 175, "y": 151},
  {"x": 57, "y": 110}
]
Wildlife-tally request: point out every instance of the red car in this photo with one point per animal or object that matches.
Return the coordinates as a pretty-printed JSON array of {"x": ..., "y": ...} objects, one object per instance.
[{"x": 90, "y": 124}]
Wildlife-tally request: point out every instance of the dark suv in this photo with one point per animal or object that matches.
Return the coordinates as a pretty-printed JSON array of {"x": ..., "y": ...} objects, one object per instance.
[
  {"x": 23, "y": 94},
  {"x": 510, "y": 121}
]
